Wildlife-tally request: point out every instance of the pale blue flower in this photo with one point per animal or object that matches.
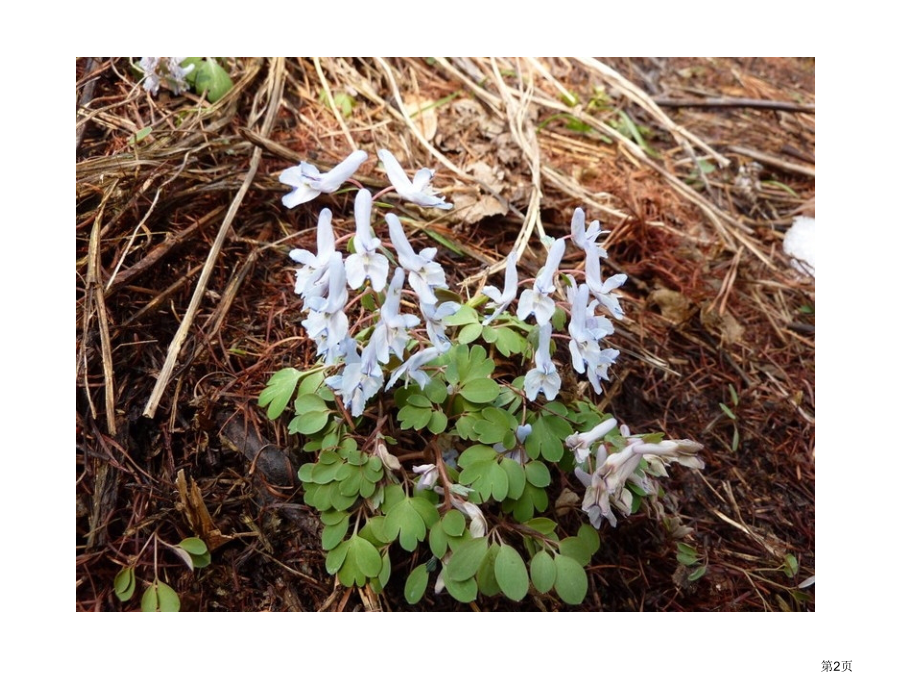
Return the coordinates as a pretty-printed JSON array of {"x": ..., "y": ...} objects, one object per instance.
[
  {"x": 543, "y": 378},
  {"x": 585, "y": 331},
  {"x": 360, "y": 379},
  {"x": 501, "y": 300},
  {"x": 583, "y": 238},
  {"x": 434, "y": 322},
  {"x": 538, "y": 300},
  {"x": 308, "y": 182},
  {"x": 419, "y": 190},
  {"x": 601, "y": 289},
  {"x": 314, "y": 265},
  {"x": 412, "y": 368},
  {"x": 365, "y": 263},
  {"x": 390, "y": 334},
  {"x": 425, "y": 274}
]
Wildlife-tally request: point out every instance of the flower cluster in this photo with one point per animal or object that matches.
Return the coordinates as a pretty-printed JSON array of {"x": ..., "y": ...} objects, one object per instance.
[
  {"x": 605, "y": 476},
  {"x": 324, "y": 275},
  {"x": 160, "y": 71},
  {"x": 586, "y": 329}
]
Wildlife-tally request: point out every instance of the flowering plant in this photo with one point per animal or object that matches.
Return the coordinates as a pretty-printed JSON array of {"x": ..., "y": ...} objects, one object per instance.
[{"x": 458, "y": 461}]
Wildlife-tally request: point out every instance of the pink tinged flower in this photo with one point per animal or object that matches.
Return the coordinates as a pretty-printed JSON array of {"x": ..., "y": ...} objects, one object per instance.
[
  {"x": 501, "y": 300},
  {"x": 580, "y": 444},
  {"x": 425, "y": 274},
  {"x": 583, "y": 239},
  {"x": 543, "y": 378},
  {"x": 418, "y": 191},
  {"x": 365, "y": 263},
  {"x": 538, "y": 301},
  {"x": 308, "y": 182},
  {"x": 603, "y": 290}
]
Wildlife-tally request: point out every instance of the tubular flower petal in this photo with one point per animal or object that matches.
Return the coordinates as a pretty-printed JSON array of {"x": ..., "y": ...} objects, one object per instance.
[
  {"x": 543, "y": 377},
  {"x": 501, "y": 300},
  {"x": 308, "y": 182},
  {"x": 419, "y": 190}
]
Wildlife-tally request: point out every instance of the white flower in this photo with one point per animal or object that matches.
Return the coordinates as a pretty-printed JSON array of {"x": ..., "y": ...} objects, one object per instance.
[
  {"x": 425, "y": 274},
  {"x": 390, "y": 332},
  {"x": 539, "y": 301},
  {"x": 412, "y": 368},
  {"x": 308, "y": 281},
  {"x": 478, "y": 525},
  {"x": 419, "y": 190},
  {"x": 601, "y": 289},
  {"x": 580, "y": 444},
  {"x": 543, "y": 377},
  {"x": 428, "y": 478},
  {"x": 172, "y": 73},
  {"x": 434, "y": 322},
  {"x": 308, "y": 182},
  {"x": 360, "y": 379},
  {"x": 501, "y": 300},
  {"x": 582, "y": 238},
  {"x": 365, "y": 263}
]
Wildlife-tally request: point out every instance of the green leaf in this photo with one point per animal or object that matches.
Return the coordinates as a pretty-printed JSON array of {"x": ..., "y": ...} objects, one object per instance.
[
  {"x": 485, "y": 576},
  {"x": 160, "y": 597},
  {"x": 437, "y": 540},
  {"x": 463, "y": 316},
  {"x": 308, "y": 423},
  {"x": 416, "y": 584},
  {"x": 125, "y": 584},
  {"x": 194, "y": 546},
  {"x": 336, "y": 558},
  {"x": 333, "y": 534},
  {"x": 463, "y": 591},
  {"x": 571, "y": 580},
  {"x": 511, "y": 573},
  {"x": 476, "y": 454},
  {"x": 366, "y": 556},
  {"x": 453, "y": 523},
  {"x": 278, "y": 391},
  {"x": 436, "y": 391},
  {"x": 202, "y": 561},
  {"x": 542, "y": 525},
  {"x": 409, "y": 520},
  {"x": 543, "y": 572},
  {"x": 517, "y": 479},
  {"x": 466, "y": 559},
  {"x": 790, "y": 565},
  {"x": 576, "y": 549},
  {"x": 697, "y": 574},
  {"x": 438, "y": 422},
  {"x": 590, "y": 538},
  {"x": 469, "y": 333},
  {"x": 537, "y": 474},
  {"x": 140, "y": 135},
  {"x": 208, "y": 76},
  {"x": 480, "y": 390},
  {"x": 728, "y": 411},
  {"x": 687, "y": 559}
]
